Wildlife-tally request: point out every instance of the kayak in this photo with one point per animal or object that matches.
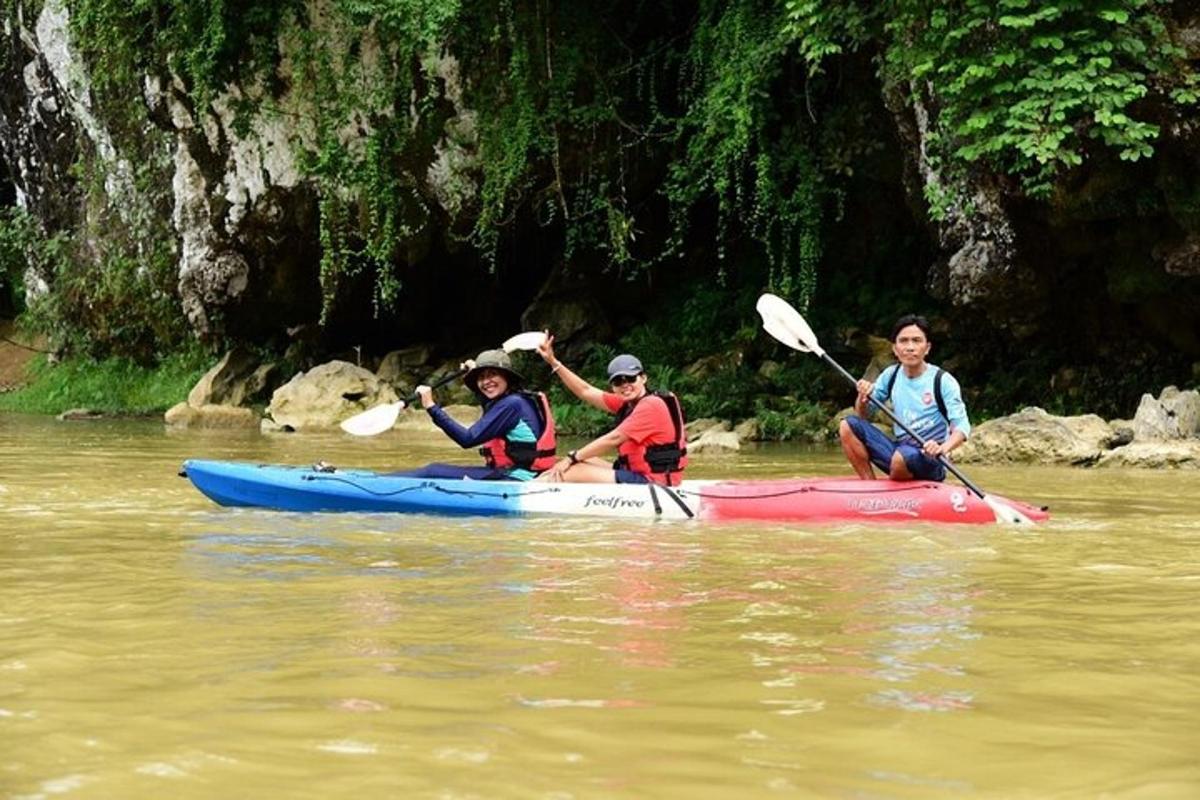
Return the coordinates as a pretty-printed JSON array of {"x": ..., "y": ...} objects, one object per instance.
[{"x": 324, "y": 488}]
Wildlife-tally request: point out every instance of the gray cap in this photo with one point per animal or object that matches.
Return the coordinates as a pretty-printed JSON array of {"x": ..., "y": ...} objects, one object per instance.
[
  {"x": 493, "y": 359},
  {"x": 624, "y": 364}
]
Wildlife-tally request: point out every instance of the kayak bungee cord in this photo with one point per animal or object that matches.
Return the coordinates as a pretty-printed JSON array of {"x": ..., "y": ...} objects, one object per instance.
[
  {"x": 700, "y": 493},
  {"x": 677, "y": 493},
  {"x": 427, "y": 485},
  {"x": 327, "y": 476}
]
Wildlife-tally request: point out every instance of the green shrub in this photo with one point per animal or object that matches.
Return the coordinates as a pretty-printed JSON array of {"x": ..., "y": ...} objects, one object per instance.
[{"x": 114, "y": 385}]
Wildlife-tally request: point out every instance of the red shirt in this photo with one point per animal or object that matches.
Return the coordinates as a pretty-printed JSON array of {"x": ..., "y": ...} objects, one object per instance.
[{"x": 648, "y": 424}]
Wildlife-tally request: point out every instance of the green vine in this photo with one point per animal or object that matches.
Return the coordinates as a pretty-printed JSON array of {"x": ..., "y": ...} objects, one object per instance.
[
  {"x": 590, "y": 119},
  {"x": 1024, "y": 87}
]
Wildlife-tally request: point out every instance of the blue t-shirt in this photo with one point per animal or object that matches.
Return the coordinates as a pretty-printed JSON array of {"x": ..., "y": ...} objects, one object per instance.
[
  {"x": 512, "y": 417},
  {"x": 914, "y": 403}
]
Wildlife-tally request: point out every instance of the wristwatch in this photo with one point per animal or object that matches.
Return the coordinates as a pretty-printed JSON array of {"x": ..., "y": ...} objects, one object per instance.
[{"x": 572, "y": 457}]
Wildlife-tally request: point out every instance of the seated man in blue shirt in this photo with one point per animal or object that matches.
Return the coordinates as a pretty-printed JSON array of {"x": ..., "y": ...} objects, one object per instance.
[{"x": 925, "y": 397}]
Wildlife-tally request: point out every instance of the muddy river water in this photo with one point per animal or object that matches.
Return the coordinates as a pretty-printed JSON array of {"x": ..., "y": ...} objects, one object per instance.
[{"x": 153, "y": 644}]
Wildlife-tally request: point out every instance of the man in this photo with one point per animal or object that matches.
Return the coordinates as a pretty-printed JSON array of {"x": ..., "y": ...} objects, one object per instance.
[
  {"x": 925, "y": 397},
  {"x": 649, "y": 436}
]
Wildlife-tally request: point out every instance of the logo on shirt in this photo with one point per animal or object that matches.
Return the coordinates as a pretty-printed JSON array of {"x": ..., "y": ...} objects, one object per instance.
[{"x": 927, "y": 398}]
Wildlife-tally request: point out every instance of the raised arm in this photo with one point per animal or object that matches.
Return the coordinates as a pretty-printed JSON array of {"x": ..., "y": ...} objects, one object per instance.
[{"x": 577, "y": 385}]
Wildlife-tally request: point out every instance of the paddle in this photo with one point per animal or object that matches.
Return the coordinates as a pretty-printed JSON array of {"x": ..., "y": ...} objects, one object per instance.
[
  {"x": 381, "y": 418},
  {"x": 784, "y": 323}
]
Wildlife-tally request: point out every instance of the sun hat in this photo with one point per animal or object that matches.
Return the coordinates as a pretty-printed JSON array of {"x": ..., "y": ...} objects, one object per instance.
[
  {"x": 624, "y": 364},
  {"x": 492, "y": 359}
]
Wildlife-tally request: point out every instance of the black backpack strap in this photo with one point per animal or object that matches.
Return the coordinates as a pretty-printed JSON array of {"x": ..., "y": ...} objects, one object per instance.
[
  {"x": 937, "y": 389},
  {"x": 937, "y": 393}
]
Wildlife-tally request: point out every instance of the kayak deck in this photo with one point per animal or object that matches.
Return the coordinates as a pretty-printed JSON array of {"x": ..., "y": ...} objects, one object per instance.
[{"x": 292, "y": 488}]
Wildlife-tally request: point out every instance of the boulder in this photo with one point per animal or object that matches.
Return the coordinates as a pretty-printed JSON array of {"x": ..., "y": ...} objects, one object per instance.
[
  {"x": 326, "y": 395},
  {"x": 571, "y": 310},
  {"x": 713, "y": 440},
  {"x": 769, "y": 370},
  {"x": 185, "y": 415},
  {"x": 400, "y": 367},
  {"x": 1034, "y": 436},
  {"x": 876, "y": 349},
  {"x": 715, "y": 364},
  {"x": 1122, "y": 432},
  {"x": 749, "y": 430},
  {"x": 698, "y": 427},
  {"x": 234, "y": 380},
  {"x": 1174, "y": 415},
  {"x": 1174, "y": 454}
]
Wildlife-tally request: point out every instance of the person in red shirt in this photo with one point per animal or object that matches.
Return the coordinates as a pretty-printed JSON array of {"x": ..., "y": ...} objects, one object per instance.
[{"x": 649, "y": 435}]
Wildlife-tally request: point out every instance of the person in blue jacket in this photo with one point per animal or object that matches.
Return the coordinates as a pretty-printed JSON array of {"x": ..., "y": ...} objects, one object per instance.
[
  {"x": 925, "y": 397},
  {"x": 515, "y": 435}
]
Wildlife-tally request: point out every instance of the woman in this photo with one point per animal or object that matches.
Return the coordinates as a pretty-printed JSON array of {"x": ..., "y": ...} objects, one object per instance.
[
  {"x": 649, "y": 434},
  {"x": 516, "y": 430}
]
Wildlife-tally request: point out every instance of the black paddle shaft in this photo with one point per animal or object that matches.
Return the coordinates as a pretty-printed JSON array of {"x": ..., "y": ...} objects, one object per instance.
[
  {"x": 945, "y": 461},
  {"x": 439, "y": 383}
]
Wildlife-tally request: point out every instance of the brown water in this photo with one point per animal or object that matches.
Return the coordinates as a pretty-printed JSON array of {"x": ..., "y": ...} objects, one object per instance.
[{"x": 155, "y": 645}]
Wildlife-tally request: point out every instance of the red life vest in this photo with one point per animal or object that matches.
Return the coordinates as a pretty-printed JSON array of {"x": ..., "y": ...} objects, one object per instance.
[
  {"x": 662, "y": 463},
  {"x": 500, "y": 453}
]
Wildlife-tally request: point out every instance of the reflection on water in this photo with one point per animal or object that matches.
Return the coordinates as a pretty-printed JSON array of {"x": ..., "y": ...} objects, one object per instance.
[{"x": 153, "y": 644}]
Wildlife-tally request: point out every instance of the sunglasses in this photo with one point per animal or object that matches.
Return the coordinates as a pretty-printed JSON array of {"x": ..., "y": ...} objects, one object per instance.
[{"x": 621, "y": 380}]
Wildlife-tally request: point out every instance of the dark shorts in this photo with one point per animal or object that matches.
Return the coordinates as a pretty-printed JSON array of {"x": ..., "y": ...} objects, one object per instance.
[
  {"x": 880, "y": 449},
  {"x": 629, "y": 476}
]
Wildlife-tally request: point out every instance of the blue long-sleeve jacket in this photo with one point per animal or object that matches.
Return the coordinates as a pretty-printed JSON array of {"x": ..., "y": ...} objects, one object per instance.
[{"x": 501, "y": 418}]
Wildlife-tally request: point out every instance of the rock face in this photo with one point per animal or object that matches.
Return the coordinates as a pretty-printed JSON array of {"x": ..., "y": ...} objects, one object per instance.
[
  {"x": 326, "y": 395},
  {"x": 1036, "y": 437},
  {"x": 1178, "y": 454},
  {"x": 714, "y": 440},
  {"x": 228, "y": 180},
  {"x": 974, "y": 229},
  {"x": 236, "y": 379},
  {"x": 248, "y": 186},
  {"x": 1174, "y": 415},
  {"x": 1165, "y": 433},
  {"x": 217, "y": 400},
  {"x": 185, "y": 415}
]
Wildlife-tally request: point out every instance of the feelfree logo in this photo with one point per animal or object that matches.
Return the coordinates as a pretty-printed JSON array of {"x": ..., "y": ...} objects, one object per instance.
[{"x": 612, "y": 501}]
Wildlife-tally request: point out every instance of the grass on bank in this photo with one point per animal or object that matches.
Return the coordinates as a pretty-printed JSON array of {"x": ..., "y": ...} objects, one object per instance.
[{"x": 115, "y": 385}]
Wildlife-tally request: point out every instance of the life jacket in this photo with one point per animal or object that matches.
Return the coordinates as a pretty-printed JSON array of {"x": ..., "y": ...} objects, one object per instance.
[
  {"x": 937, "y": 389},
  {"x": 500, "y": 453},
  {"x": 661, "y": 461}
]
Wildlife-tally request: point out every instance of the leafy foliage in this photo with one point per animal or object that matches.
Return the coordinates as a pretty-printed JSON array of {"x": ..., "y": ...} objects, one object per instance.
[
  {"x": 1025, "y": 87},
  {"x": 20, "y": 243},
  {"x": 588, "y": 123}
]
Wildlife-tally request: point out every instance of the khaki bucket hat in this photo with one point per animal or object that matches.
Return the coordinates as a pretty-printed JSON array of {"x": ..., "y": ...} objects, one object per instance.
[{"x": 493, "y": 359}]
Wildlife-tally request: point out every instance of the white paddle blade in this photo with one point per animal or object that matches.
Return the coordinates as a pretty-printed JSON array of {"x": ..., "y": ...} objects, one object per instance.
[
  {"x": 1006, "y": 513},
  {"x": 784, "y": 317},
  {"x": 782, "y": 334},
  {"x": 529, "y": 340},
  {"x": 374, "y": 420}
]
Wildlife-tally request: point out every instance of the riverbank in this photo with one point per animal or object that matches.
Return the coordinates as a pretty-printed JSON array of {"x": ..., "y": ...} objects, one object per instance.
[{"x": 115, "y": 386}]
